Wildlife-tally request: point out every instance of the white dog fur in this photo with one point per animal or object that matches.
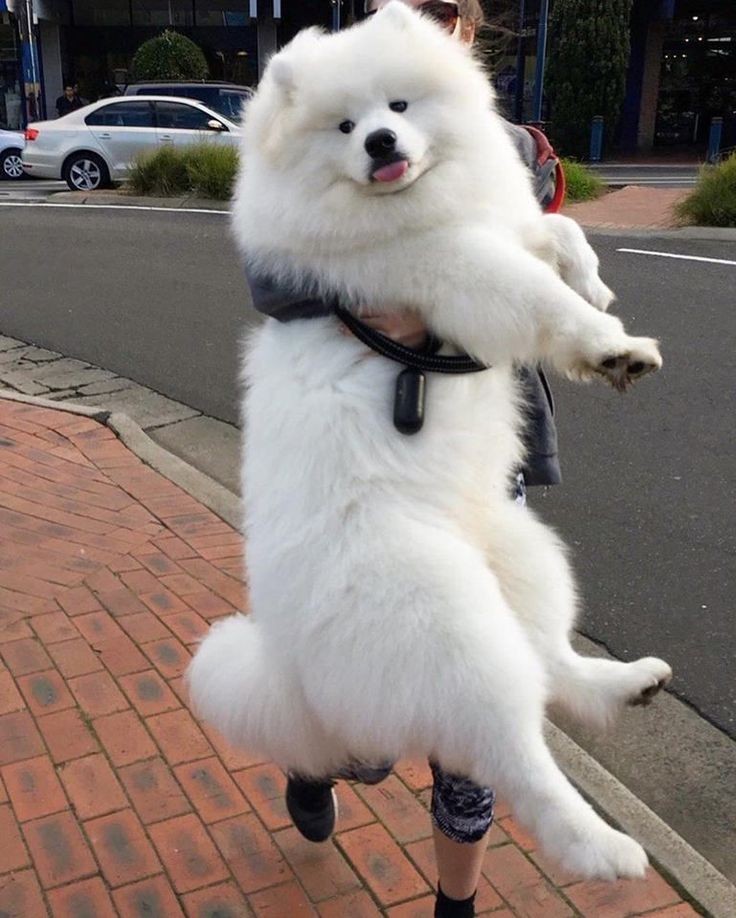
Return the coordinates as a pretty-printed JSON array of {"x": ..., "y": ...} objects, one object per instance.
[{"x": 402, "y": 604}]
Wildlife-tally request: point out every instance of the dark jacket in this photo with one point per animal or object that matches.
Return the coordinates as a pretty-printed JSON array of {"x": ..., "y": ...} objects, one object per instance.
[{"x": 64, "y": 106}]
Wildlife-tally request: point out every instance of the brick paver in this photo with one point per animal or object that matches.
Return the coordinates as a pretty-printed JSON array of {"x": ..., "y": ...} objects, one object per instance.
[
  {"x": 114, "y": 800},
  {"x": 635, "y": 207}
]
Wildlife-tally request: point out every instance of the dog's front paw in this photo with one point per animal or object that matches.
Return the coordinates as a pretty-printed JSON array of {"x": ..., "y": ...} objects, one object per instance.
[{"x": 623, "y": 369}]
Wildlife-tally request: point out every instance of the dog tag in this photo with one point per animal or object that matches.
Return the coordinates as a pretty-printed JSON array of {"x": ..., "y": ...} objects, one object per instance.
[{"x": 409, "y": 401}]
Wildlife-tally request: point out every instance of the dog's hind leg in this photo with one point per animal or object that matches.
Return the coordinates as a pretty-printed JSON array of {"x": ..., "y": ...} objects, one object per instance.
[
  {"x": 491, "y": 701},
  {"x": 576, "y": 260},
  {"x": 427, "y": 657},
  {"x": 539, "y": 586}
]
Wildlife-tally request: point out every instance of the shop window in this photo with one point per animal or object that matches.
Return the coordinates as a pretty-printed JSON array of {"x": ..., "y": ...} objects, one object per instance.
[
  {"x": 221, "y": 13},
  {"x": 163, "y": 13},
  {"x": 101, "y": 13}
]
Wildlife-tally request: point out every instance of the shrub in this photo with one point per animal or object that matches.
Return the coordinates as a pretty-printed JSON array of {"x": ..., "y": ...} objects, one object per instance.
[
  {"x": 212, "y": 170},
  {"x": 163, "y": 173},
  {"x": 169, "y": 56},
  {"x": 713, "y": 200},
  {"x": 203, "y": 169},
  {"x": 581, "y": 183}
]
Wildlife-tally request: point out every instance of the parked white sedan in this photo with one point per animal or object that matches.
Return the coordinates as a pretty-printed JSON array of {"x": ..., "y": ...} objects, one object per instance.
[
  {"x": 11, "y": 147},
  {"x": 98, "y": 144}
]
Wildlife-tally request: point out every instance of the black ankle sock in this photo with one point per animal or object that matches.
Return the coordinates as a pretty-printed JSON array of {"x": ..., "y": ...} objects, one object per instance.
[{"x": 453, "y": 908}]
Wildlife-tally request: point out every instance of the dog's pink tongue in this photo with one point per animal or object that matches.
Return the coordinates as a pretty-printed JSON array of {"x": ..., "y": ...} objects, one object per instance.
[{"x": 392, "y": 172}]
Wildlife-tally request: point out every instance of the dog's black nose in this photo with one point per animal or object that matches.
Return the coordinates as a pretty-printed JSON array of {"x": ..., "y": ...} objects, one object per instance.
[{"x": 380, "y": 143}]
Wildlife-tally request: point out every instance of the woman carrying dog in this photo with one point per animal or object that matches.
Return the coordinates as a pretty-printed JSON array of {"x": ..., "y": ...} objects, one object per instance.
[{"x": 462, "y": 812}]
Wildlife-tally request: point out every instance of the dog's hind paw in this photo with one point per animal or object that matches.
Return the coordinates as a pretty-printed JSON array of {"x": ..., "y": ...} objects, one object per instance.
[
  {"x": 591, "y": 288},
  {"x": 655, "y": 674}
]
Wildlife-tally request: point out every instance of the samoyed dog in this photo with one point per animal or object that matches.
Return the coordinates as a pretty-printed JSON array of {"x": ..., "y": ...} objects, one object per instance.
[{"x": 402, "y": 603}]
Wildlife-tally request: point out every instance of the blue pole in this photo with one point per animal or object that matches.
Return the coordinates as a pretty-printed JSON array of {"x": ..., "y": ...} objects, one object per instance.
[
  {"x": 336, "y": 15},
  {"x": 596, "y": 139},
  {"x": 541, "y": 57},
  {"x": 29, "y": 63},
  {"x": 714, "y": 139}
]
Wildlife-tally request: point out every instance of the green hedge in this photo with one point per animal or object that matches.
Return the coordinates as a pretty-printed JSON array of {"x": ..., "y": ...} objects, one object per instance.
[
  {"x": 713, "y": 200},
  {"x": 203, "y": 169},
  {"x": 169, "y": 56},
  {"x": 582, "y": 184}
]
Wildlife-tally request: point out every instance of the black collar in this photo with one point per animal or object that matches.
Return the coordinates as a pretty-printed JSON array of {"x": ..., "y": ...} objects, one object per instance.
[
  {"x": 426, "y": 360},
  {"x": 409, "y": 395}
]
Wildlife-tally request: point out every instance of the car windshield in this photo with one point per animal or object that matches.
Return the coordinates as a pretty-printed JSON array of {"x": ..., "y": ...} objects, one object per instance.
[{"x": 230, "y": 103}]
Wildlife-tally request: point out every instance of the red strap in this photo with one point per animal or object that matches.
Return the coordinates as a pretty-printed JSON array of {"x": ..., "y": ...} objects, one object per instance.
[
  {"x": 545, "y": 152},
  {"x": 560, "y": 186}
]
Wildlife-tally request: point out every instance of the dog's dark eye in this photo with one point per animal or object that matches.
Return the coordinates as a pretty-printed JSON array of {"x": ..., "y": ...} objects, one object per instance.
[
  {"x": 347, "y": 126},
  {"x": 399, "y": 106}
]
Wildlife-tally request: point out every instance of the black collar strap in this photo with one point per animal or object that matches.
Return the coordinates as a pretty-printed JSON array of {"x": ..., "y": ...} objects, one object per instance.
[{"x": 426, "y": 360}]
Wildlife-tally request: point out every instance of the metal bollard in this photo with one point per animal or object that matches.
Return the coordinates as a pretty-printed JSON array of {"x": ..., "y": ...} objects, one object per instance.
[
  {"x": 596, "y": 139},
  {"x": 714, "y": 139}
]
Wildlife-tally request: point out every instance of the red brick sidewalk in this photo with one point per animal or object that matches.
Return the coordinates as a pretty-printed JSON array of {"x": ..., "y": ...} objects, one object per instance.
[
  {"x": 113, "y": 800},
  {"x": 632, "y": 207}
]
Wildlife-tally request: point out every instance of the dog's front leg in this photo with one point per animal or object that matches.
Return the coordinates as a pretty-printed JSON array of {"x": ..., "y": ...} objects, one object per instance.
[{"x": 499, "y": 303}]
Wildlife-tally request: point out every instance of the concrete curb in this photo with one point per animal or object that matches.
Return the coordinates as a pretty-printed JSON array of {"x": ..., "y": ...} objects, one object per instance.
[
  {"x": 707, "y": 233},
  {"x": 97, "y": 414},
  {"x": 122, "y": 199},
  {"x": 207, "y": 491},
  {"x": 696, "y": 877},
  {"x": 726, "y": 234}
]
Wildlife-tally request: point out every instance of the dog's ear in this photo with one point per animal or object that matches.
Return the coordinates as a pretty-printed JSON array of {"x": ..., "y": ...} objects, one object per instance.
[
  {"x": 397, "y": 14},
  {"x": 283, "y": 74},
  {"x": 285, "y": 66}
]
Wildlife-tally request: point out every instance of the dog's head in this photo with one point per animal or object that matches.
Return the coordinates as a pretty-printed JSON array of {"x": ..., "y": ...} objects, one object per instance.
[{"x": 369, "y": 110}]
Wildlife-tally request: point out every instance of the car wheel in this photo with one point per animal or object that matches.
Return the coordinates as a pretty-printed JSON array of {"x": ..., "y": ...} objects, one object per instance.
[
  {"x": 11, "y": 166},
  {"x": 86, "y": 172}
]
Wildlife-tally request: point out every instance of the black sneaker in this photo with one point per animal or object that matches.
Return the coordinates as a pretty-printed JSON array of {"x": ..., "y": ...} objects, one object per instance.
[{"x": 313, "y": 807}]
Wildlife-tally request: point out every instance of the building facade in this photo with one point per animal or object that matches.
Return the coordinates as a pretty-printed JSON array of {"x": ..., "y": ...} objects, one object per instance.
[{"x": 682, "y": 72}]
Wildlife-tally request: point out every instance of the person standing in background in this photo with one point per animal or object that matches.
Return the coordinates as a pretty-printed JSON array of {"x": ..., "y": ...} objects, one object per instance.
[{"x": 69, "y": 101}]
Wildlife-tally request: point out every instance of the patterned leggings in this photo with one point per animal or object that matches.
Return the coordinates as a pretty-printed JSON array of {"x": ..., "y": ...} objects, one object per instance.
[{"x": 461, "y": 810}]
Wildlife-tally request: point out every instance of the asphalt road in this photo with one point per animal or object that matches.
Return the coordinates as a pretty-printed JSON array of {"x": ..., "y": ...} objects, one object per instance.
[
  {"x": 647, "y": 502},
  {"x": 648, "y": 495}
]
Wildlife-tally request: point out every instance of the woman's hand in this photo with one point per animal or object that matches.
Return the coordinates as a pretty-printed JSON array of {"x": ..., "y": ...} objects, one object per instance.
[{"x": 405, "y": 327}]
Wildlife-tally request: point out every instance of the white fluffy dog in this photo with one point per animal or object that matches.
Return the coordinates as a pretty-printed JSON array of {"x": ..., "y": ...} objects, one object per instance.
[{"x": 402, "y": 603}]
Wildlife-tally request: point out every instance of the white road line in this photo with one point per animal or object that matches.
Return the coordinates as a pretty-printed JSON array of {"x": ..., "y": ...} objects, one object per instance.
[
  {"x": 715, "y": 261},
  {"x": 167, "y": 210}
]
